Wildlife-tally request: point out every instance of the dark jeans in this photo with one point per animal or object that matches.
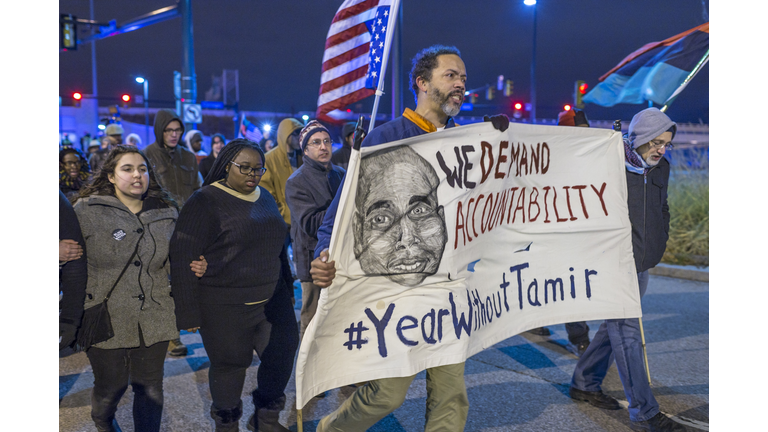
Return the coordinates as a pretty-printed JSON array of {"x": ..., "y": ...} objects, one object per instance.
[
  {"x": 114, "y": 369},
  {"x": 231, "y": 332}
]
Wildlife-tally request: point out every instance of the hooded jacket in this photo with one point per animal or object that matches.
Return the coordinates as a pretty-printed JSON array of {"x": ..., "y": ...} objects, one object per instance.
[
  {"x": 647, "y": 191},
  {"x": 279, "y": 167},
  {"x": 188, "y": 142},
  {"x": 176, "y": 168}
]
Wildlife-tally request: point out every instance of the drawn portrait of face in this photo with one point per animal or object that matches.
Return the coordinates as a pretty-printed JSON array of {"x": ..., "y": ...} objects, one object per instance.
[{"x": 398, "y": 225}]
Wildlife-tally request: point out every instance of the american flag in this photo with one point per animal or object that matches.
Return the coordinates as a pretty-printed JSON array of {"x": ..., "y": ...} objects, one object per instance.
[
  {"x": 249, "y": 131},
  {"x": 353, "y": 55}
]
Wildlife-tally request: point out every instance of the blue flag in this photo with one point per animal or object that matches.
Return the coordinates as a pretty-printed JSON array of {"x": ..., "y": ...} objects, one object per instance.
[{"x": 653, "y": 72}]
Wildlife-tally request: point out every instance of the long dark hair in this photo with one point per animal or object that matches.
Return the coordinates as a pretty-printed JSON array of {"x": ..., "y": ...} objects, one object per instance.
[
  {"x": 102, "y": 186},
  {"x": 228, "y": 154}
]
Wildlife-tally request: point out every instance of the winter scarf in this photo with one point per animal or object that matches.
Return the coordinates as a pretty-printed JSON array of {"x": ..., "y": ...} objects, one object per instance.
[{"x": 73, "y": 183}]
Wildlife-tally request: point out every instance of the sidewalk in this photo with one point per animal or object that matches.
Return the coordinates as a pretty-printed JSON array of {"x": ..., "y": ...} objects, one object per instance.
[{"x": 689, "y": 272}]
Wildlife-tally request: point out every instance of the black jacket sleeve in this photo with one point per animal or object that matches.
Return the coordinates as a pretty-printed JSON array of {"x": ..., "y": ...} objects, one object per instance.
[
  {"x": 73, "y": 276},
  {"x": 191, "y": 235}
]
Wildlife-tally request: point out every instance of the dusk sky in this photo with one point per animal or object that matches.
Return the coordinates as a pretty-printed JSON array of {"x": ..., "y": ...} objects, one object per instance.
[{"x": 277, "y": 46}]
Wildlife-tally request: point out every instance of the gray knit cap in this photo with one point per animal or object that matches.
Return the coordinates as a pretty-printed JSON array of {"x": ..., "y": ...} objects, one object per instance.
[{"x": 647, "y": 125}]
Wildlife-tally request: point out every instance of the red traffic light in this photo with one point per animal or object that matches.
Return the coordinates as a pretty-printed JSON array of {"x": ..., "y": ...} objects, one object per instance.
[
  {"x": 583, "y": 88},
  {"x": 566, "y": 107},
  {"x": 518, "y": 105},
  {"x": 126, "y": 98},
  {"x": 77, "y": 96}
]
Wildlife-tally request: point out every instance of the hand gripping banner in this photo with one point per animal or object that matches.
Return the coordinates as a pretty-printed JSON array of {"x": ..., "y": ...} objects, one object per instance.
[{"x": 450, "y": 242}]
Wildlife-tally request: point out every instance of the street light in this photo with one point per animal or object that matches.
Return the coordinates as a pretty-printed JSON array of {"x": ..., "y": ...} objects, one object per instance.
[
  {"x": 533, "y": 62},
  {"x": 144, "y": 81}
]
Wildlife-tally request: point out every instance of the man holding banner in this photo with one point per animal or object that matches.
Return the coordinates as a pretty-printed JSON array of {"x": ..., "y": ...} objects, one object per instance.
[
  {"x": 410, "y": 239},
  {"x": 650, "y": 134}
]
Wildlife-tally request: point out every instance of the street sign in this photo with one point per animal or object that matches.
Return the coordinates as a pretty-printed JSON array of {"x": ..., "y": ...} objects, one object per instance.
[
  {"x": 193, "y": 113},
  {"x": 212, "y": 104}
]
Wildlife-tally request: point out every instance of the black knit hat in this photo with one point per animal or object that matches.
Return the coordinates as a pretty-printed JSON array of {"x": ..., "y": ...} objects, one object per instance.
[
  {"x": 310, "y": 129},
  {"x": 348, "y": 129}
]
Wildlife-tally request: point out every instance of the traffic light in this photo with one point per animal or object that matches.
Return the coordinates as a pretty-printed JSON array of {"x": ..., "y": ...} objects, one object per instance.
[
  {"x": 68, "y": 31},
  {"x": 566, "y": 107},
  {"x": 489, "y": 93},
  {"x": 508, "y": 88},
  {"x": 473, "y": 98},
  {"x": 77, "y": 97},
  {"x": 579, "y": 90},
  {"x": 517, "y": 110},
  {"x": 126, "y": 100}
]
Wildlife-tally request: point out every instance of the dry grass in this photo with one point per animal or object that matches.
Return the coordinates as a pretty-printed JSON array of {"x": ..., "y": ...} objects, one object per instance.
[{"x": 688, "y": 242}]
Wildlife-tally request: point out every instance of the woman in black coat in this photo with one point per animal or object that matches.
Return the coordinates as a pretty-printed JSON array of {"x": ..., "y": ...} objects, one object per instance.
[{"x": 245, "y": 300}]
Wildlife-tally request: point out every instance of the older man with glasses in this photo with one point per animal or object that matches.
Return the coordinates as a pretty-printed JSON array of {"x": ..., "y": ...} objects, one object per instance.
[
  {"x": 176, "y": 170},
  {"x": 650, "y": 135},
  {"x": 309, "y": 191}
]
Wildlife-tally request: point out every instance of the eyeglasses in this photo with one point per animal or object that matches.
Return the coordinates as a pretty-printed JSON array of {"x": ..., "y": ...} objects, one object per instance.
[
  {"x": 317, "y": 142},
  {"x": 658, "y": 145},
  {"x": 173, "y": 131},
  {"x": 246, "y": 170}
]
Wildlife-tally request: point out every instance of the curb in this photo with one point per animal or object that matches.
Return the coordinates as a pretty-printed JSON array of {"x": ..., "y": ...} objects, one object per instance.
[{"x": 681, "y": 272}]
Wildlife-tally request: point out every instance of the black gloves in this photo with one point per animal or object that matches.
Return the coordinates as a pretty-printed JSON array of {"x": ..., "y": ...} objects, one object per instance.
[
  {"x": 499, "y": 121},
  {"x": 67, "y": 333}
]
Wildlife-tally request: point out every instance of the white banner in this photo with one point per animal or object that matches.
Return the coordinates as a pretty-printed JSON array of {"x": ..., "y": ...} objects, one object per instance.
[{"x": 450, "y": 242}]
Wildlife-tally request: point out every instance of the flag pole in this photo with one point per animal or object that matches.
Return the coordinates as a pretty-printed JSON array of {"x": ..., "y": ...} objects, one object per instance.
[
  {"x": 645, "y": 353},
  {"x": 393, "y": 11},
  {"x": 299, "y": 421},
  {"x": 693, "y": 73}
]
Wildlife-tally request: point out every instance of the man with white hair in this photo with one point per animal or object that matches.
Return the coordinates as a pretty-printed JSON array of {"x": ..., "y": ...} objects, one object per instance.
[{"x": 650, "y": 136}]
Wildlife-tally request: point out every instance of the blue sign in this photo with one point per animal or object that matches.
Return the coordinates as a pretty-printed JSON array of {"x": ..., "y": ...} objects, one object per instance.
[
  {"x": 467, "y": 106},
  {"x": 212, "y": 105}
]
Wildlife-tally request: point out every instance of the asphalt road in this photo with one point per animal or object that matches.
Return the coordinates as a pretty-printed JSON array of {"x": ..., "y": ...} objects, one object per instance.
[{"x": 520, "y": 384}]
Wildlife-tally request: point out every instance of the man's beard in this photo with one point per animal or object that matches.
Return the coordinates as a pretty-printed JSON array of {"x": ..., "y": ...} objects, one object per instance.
[{"x": 444, "y": 100}]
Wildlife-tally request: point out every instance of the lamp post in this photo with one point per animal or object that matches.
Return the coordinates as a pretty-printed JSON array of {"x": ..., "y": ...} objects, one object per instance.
[
  {"x": 145, "y": 81},
  {"x": 533, "y": 62}
]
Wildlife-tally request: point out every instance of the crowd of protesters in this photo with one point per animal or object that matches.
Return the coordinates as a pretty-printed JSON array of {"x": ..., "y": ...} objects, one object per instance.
[{"x": 179, "y": 239}]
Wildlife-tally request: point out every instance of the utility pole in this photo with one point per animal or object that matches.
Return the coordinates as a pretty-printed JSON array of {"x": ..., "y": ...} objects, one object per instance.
[
  {"x": 95, "y": 90},
  {"x": 188, "y": 77},
  {"x": 397, "y": 73}
]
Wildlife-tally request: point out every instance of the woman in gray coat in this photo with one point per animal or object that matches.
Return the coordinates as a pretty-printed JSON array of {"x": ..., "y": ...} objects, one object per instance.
[{"x": 127, "y": 221}]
